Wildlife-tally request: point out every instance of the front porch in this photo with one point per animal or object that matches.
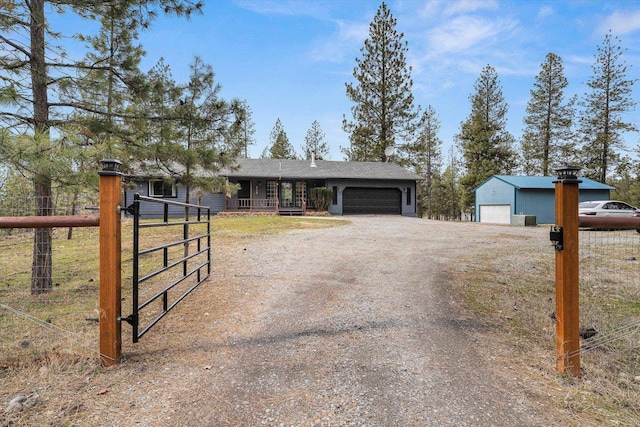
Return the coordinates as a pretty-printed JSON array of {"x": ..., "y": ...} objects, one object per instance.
[{"x": 256, "y": 206}]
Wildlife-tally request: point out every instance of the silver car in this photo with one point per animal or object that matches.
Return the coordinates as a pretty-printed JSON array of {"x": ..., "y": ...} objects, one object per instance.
[{"x": 606, "y": 208}]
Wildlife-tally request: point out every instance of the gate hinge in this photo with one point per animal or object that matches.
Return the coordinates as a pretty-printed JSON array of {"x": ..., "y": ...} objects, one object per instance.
[
  {"x": 130, "y": 319},
  {"x": 130, "y": 209}
]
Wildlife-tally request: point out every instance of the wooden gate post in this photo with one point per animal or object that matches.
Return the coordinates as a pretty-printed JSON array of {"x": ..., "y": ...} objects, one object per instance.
[
  {"x": 565, "y": 236},
  {"x": 110, "y": 262}
]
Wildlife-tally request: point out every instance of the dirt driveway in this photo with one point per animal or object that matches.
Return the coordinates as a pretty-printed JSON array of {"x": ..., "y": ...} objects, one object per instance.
[{"x": 347, "y": 326}]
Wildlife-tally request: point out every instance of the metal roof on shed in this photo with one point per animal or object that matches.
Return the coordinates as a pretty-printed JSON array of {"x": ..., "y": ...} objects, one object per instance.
[
  {"x": 546, "y": 182},
  {"x": 285, "y": 168}
]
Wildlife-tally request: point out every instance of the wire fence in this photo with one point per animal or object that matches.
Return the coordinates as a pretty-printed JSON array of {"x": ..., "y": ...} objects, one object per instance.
[
  {"x": 610, "y": 300},
  {"x": 37, "y": 322}
]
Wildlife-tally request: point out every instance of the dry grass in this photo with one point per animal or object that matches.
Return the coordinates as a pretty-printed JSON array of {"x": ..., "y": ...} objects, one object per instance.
[{"x": 511, "y": 287}]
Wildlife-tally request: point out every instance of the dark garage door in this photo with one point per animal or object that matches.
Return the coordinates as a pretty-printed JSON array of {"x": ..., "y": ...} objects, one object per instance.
[{"x": 377, "y": 201}]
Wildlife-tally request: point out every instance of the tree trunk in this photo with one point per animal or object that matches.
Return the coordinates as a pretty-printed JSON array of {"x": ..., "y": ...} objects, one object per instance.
[{"x": 41, "y": 269}]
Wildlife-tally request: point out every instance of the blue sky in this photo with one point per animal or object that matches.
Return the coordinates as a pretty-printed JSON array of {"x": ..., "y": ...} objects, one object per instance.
[{"x": 291, "y": 59}]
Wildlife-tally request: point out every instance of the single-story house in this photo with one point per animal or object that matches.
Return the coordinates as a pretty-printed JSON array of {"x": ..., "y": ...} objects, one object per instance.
[
  {"x": 501, "y": 197},
  {"x": 282, "y": 186}
]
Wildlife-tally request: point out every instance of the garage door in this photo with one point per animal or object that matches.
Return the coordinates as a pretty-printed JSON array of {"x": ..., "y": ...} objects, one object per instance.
[
  {"x": 495, "y": 214},
  {"x": 387, "y": 201}
]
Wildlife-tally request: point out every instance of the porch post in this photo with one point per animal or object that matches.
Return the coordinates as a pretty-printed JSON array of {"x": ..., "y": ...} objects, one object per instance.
[{"x": 251, "y": 196}]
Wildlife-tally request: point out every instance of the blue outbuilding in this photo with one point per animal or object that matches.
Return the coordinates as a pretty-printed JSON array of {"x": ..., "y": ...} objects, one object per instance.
[{"x": 502, "y": 197}]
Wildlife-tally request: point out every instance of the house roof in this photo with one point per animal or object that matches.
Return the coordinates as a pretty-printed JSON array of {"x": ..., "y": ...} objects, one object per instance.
[
  {"x": 545, "y": 183},
  {"x": 275, "y": 168}
]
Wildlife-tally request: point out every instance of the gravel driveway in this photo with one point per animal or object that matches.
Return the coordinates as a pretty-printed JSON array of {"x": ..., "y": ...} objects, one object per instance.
[
  {"x": 347, "y": 326},
  {"x": 355, "y": 325}
]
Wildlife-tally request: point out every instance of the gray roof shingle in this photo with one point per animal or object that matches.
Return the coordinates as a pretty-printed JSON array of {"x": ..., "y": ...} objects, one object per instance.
[{"x": 274, "y": 168}]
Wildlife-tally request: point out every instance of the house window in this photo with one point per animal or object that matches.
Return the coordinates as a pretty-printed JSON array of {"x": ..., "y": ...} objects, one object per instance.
[
  {"x": 335, "y": 195},
  {"x": 286, "y": 194},
  {"x": 408, "y": 196},
  {"x": 301, "y": 192},
  {"x": 271, "y": 189},
  {"x": 161, "y": 188}
]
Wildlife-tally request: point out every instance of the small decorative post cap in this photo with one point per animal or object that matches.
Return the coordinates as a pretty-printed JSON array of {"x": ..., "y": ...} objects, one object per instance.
[
  {"x": 567, "y": 172},
  {"x": 110, "y": 165}
]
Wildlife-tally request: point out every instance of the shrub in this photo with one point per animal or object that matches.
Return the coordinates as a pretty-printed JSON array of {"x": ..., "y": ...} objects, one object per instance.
[{"x": 321, "y": 197}]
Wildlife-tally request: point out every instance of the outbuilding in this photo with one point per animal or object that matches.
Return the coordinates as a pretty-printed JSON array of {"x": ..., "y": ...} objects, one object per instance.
[{"x": 502, "y": 198}]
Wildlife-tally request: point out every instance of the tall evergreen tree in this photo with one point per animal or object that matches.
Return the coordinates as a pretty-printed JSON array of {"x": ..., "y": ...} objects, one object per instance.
[
  {"x": 601, "y": 123},
  {"x": 447, "y": 191},
  {"x": 241, "y": 132},
  {"x": 424, "y": 156},
  {"x": 486, "y": 144},
  {"x": 36, "y": 79},
  {"x": 315, "y": 143},
  {"x": 202, "y": 118},
  {"x": 547, "y": 139},
  {"x": 280, "y": 147},
  {"x": 383, "y": 112}
]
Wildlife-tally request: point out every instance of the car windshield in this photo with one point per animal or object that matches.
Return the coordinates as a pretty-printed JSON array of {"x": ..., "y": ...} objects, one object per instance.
[{"x": 587, "y": 205}]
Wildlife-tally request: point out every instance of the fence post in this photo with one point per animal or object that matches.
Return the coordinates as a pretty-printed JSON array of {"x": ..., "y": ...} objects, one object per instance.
[
  {"x": 110, "y": 262},
  {"x": 567, "y": 316}
]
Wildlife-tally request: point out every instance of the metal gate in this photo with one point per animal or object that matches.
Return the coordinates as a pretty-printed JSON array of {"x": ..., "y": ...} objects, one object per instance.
[{"x": 168, "y": 267}]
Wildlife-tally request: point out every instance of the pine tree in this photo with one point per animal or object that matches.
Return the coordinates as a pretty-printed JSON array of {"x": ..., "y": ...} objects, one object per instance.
[
  {"x": 447, "y": 191},
  {"x": 547, "y": 140},
  {"x": 241, "y": 132},
  {"x": 37, "y": 90},
  {"x": 486, "y": 144},
  {"x": 383, "y": 112},
  {"x": 315, "y": 143},
  {"x": 280, "y": 147},
  {"x": 424, "y": 156},
  {"x": 601, "y": 123},
  {"x": 186, "y": 142}
]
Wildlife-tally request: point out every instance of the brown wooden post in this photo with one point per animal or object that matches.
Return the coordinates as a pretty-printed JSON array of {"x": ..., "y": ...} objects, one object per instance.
[
  {"x": 110, "y": 263},
  {"x": 567, "y": 263}
]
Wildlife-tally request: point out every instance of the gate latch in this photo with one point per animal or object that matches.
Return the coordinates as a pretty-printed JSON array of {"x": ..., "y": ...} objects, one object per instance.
[{"x": 556, "y": 237}]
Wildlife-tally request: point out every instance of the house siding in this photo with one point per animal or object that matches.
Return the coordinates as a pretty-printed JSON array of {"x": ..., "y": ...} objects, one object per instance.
[
  {"x": 494, "y": 192},
  {"x": 156, "y": 210},
  {"x": 538, "y": 202}
]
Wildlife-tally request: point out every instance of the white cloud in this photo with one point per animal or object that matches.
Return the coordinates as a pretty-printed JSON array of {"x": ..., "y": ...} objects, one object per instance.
[
  {"x": 430, "y": 9},
  {"x": 349, "y": 37},
  {"x": 467, "y": 6},
  {"x": 284, "y": 7},
  {"x": 462, "y": 34},
  {"x": 580, "y": 60},
  {"x": 621, "y": 23},
  {"x": 545, "y": 12}
]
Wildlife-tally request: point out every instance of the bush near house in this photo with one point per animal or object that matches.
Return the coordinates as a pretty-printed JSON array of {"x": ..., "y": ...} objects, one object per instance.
[{"x": 321, "y": 197}]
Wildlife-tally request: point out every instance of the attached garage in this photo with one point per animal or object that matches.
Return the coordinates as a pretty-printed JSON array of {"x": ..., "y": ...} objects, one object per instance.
[
  {"x": 375, "y": 201},
  {"x": 495, "y": 214}
]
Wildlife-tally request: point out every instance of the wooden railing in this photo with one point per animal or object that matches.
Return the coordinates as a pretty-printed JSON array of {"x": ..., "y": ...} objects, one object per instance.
[{"x": 252, "y": 204}]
